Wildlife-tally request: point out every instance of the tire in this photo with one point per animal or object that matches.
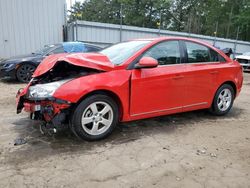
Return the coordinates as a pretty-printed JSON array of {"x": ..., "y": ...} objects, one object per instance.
[
  {"x": 24, "y": 72},
  {"x": 95, "y": 118},
  {"x": 223, "y": 100}
]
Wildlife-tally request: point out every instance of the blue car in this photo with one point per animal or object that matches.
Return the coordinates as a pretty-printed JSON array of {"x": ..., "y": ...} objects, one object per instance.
[{"x": 22, "y": 67}]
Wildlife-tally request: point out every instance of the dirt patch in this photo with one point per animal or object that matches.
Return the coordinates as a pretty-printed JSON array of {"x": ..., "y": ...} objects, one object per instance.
[{"x": 192, "y": 149}]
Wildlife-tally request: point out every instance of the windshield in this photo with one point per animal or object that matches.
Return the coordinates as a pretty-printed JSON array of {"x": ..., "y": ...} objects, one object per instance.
[
  {"x": 46, "y": 49},
  {"x": 118, "y": 53}
]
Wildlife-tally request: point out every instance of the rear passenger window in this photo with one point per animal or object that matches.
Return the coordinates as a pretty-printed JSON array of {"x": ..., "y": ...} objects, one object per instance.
[
  {"x": 215, "y": 57},
  {"x": 198, "y": 53},
  {"x": 165, "y": 53}
]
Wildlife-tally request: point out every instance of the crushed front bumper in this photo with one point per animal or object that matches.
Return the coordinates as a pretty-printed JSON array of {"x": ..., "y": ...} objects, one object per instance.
[
  {"x": 50, "y": 110},
  {"x": 46, "y": 110}
]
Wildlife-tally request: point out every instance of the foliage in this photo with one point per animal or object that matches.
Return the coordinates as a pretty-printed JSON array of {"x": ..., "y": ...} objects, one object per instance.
[{"x": 194, "y": 16}]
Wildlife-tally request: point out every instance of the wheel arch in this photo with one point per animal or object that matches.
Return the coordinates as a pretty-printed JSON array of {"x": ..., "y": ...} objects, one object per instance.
[
  {"x": 27, "y": 62},
  {"x": 231, "y": 83},
  {"x": 108, "y": 93}
]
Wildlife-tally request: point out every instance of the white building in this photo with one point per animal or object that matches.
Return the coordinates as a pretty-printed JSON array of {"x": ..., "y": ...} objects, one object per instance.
[{"x": 28, "y": 25}]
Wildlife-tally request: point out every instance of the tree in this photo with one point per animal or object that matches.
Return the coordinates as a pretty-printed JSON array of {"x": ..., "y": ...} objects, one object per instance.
[{"x": 192, "y": 16}]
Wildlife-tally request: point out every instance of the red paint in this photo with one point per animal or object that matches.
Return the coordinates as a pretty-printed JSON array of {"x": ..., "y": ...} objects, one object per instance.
[
  {"x": 147, "y": 92},
  {"x": 147, "y": 62},
  {"x": 30, "y": 107},
  {"x": 89, "y": 60}
]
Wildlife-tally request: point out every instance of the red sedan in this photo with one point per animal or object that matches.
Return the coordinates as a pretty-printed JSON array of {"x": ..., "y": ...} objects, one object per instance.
[{"x": 128, "y": 81}]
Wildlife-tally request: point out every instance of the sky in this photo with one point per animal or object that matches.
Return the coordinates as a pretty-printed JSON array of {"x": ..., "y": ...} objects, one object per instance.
[{"x": 72, "y": 2}]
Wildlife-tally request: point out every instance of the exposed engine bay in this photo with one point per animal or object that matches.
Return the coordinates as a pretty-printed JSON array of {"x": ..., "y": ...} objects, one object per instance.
[
  {"x": 63, "y": 70},
  {"x": 39, "y": 101}
]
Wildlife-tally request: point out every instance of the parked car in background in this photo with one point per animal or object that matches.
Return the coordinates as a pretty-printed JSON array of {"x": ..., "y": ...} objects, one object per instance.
[
  {"x": 244, "y": 60},
  {"x": 22, "y": 67},
  {"x": 128, "y": 81}
]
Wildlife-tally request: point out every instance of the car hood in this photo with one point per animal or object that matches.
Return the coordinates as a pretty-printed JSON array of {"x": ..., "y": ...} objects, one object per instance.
[
  {"x": 243, "y": 57},
  {"x": 95, "y": 61},
  {"x": 22, "y": 58}
]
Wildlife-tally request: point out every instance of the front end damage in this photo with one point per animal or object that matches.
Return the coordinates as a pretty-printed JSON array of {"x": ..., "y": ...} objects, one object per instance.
[
  {"x": 53, "y": 113},
  {"x": 37, "y": 97}
]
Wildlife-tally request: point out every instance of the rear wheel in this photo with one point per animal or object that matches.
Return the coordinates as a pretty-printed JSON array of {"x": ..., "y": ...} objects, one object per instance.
[
  {"x": 223, "y": 100},
  {"x": 25, "y": 72},
  {"x": 95, "y": 117}
]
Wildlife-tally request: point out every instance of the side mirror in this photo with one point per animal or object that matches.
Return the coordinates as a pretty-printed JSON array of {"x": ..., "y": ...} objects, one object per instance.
[{"x": 146, "y": 62}]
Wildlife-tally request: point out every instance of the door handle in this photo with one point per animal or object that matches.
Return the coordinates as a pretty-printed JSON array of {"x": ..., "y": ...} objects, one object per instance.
[
  {"x": 214, "y": 72},
  {"x": 178, "y": 77}
]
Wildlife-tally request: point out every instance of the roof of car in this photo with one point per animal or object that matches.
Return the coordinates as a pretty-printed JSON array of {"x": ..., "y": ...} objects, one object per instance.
[
  {"x": 158, "y": 39},
  {"x": 167, "y": 38}
]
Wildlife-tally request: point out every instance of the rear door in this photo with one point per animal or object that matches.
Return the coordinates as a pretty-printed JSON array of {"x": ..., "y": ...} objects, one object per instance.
[
  {"x": 160, "y": 89},
  {"x": 201, "y": 75}
]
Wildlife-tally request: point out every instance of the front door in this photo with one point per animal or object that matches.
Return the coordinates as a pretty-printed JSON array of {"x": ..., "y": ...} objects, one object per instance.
[{"x": 160, "y": 90}]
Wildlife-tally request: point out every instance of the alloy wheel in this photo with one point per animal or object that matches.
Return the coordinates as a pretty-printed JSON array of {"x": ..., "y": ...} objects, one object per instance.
[
  {"x": 25, "y": 72},
  {"x": 224, "y": 100},
  {"x": 97, "y": 118}
]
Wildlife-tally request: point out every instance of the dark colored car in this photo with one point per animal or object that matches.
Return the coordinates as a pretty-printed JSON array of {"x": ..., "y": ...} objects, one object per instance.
[{"x": 22, "y": 67}]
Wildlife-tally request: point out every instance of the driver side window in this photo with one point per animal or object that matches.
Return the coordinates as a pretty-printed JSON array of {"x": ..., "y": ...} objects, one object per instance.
[{"x": 166, "y": 53}]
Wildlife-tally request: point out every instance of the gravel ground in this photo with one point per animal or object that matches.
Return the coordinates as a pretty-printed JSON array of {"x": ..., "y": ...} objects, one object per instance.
[{"x": 191, "y": 149}]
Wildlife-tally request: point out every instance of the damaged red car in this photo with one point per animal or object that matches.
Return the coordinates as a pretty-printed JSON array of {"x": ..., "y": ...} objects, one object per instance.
[{"x": 92, "y": 92}]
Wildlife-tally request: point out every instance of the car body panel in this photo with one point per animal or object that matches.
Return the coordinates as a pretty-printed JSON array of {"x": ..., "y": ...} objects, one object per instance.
[
  {"x": 230, "y": 72},
  {"x": 116, "y": 82},
  {"x": 149, "y": 92},
  {"x": 161, "y": 87},
  {"x": 88, "y": 60},
  {"x": 200, "y": 81}
]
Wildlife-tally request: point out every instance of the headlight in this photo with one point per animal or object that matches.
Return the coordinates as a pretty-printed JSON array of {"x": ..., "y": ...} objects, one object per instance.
[{"x": 45, "y": 90}]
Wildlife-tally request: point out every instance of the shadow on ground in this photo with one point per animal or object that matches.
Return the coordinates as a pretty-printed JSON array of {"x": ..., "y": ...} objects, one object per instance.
[
  {"x": 41, "y": 146},
  {"x": 9, "y": 81}
]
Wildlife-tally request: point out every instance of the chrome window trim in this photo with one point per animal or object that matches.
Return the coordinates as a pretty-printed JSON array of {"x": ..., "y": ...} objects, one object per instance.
[
  {"x": 205, "y": 63},
  {"x": 202, "y": 63}
]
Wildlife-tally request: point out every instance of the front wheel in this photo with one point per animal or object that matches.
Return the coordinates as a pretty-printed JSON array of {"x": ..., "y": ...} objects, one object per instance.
[
  {"x": 95, "y": 117},
  {"x": 223, "y": 100},
  {"x": 25, "y": 72}
]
